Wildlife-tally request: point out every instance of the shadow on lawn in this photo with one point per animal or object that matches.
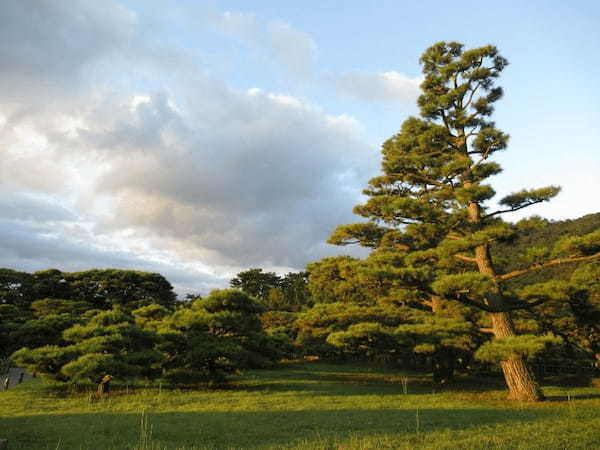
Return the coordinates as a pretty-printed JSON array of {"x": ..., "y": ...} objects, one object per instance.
[
  {"x": 280, "y": 429},
  {"x": 567, "y": 397},
  {"x": 350, "y": 384},
  {"x": 306, "y": 383}
]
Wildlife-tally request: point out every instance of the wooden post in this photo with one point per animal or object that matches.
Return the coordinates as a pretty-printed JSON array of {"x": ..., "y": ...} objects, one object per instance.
[
  {"x": 21, "y": 377},
  {"x": 3, "y": 444},
  {"x": 6, "y": 383},
  {"x": 104, "y": 386}
]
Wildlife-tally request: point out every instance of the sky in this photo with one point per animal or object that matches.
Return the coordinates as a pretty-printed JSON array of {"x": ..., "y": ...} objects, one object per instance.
[{"x": 201, "y": 138}]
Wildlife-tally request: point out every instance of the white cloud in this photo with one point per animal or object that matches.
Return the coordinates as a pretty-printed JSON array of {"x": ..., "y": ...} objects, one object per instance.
[
  {"x": 193, "y": 179},
  {"x": 384, "y": 86},
  {"x": 291, "y": 48},
  {"x": 241, "y": 193},
  {"x": 277, "y": 41}
]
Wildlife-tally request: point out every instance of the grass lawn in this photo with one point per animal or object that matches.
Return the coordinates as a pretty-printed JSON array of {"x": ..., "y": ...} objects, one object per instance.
[{"x": 306, "y": 406}]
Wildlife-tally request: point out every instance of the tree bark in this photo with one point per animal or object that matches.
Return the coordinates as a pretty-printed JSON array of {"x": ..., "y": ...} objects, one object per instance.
[
  {"x": 436, "y": 304},
  {"x": 519, "y": 378}
]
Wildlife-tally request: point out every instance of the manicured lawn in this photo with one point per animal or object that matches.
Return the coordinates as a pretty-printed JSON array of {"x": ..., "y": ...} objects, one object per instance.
[{"x": 303, "y": 405}]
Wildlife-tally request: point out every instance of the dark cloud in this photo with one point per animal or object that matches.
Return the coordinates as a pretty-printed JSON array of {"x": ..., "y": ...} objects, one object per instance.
[
  {"x": 23, "y": 207},
  {"x": 31, "y": 247}
]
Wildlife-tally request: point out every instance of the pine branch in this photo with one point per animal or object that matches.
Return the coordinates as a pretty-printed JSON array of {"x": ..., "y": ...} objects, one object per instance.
[
  {"x": 465, "y": 258},
  {"x": 425, "y": 306},
  {"x": 484, "y": 157},
  {"x": 445, "y": 120},
  {"x": 472, "y": 95},
  {"x": 427, "y": 180},
  {"x": 516, "y": 208},
  {"x": 528, "y": 305},
  {"x": 525, "y": 198},
  {"x": 479, "y": 305},
  {"x": 553, "y": 262}
]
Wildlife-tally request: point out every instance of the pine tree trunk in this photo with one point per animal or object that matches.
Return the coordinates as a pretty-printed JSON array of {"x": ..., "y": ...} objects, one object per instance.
[{"x": 517, "y": 374}]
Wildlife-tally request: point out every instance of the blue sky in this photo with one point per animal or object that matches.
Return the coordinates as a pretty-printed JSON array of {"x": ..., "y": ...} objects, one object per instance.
[{"x": 198, "y": 139}]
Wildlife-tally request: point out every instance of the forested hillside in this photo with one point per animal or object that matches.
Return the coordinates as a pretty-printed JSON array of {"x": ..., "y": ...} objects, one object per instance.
[{"x": 542, "y": 234}]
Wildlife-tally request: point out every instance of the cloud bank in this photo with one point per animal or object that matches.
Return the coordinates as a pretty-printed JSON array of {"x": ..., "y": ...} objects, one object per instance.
[{"x": 120, "y": 150}]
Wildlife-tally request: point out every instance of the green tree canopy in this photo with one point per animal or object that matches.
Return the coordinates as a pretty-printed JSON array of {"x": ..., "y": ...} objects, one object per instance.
[
  {"x": 109, "y": 342},
  {"x": 255, "y": 282},
  {"x": 433, "y": 199}
]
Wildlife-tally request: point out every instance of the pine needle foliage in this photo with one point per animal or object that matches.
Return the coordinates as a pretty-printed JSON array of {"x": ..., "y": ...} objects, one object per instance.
[{"x": 433, "y": 199}]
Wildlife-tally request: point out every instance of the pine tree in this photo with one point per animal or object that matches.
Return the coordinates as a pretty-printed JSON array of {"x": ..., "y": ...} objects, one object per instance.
[{"x": 431, "y": 205}]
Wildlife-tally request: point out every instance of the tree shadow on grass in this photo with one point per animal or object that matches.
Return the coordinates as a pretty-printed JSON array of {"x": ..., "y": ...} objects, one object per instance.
[
  {"x": 350, "y": 384},
  {"x": 567, "y": 397},
  {"x": 301, "y": 382},
  {"x": 254, "y": 429}
]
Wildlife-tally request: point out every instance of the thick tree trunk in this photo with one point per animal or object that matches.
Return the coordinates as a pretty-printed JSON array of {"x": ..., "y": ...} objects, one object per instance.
[
  {"x": 517, "y": 374},
  {"x": 520, "y": 381}
]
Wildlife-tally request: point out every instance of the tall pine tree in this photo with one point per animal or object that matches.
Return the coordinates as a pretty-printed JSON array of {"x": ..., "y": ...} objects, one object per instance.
[{"x": 431, "y": 205}]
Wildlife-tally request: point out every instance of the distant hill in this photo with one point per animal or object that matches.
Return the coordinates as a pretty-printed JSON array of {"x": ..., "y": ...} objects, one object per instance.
[{"x": 509, "y": 256}]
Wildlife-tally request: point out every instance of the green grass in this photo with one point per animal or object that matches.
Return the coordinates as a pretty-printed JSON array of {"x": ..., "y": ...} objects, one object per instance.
[{"x": 304, "y": 406}]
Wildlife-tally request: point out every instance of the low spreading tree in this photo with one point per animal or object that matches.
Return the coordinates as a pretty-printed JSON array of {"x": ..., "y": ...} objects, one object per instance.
[
  {"x": 432, "y": 203},
  {"x": 447, "y": 338},
  {"x": 349, "y": 330},
  {"x": 586, "y": 308},
  {"x": 108, "y": 343},
  {"x": 35, "y": 309},
  {"x": 383, "y": 283},
  {"x": 216, "y": 336},
  {"x": 45, "y": 330},
  {"x": 367, "y": 341},
  {"x": 201, "y": 343},
  {"x": 235, "y": 315}
]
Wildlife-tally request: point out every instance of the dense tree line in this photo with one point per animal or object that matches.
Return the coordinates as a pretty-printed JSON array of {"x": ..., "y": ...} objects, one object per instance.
[
  {"x": 81, "y": 326},
  {"x": 201, "y": 341},
  {"x": 286, "y": 293},
  {"x": 35, "y": 308},
  {"x": 341, "y": 308}
]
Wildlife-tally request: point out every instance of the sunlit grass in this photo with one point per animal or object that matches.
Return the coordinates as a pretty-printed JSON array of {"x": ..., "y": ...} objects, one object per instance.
[{"x": 305, "y": 406}]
